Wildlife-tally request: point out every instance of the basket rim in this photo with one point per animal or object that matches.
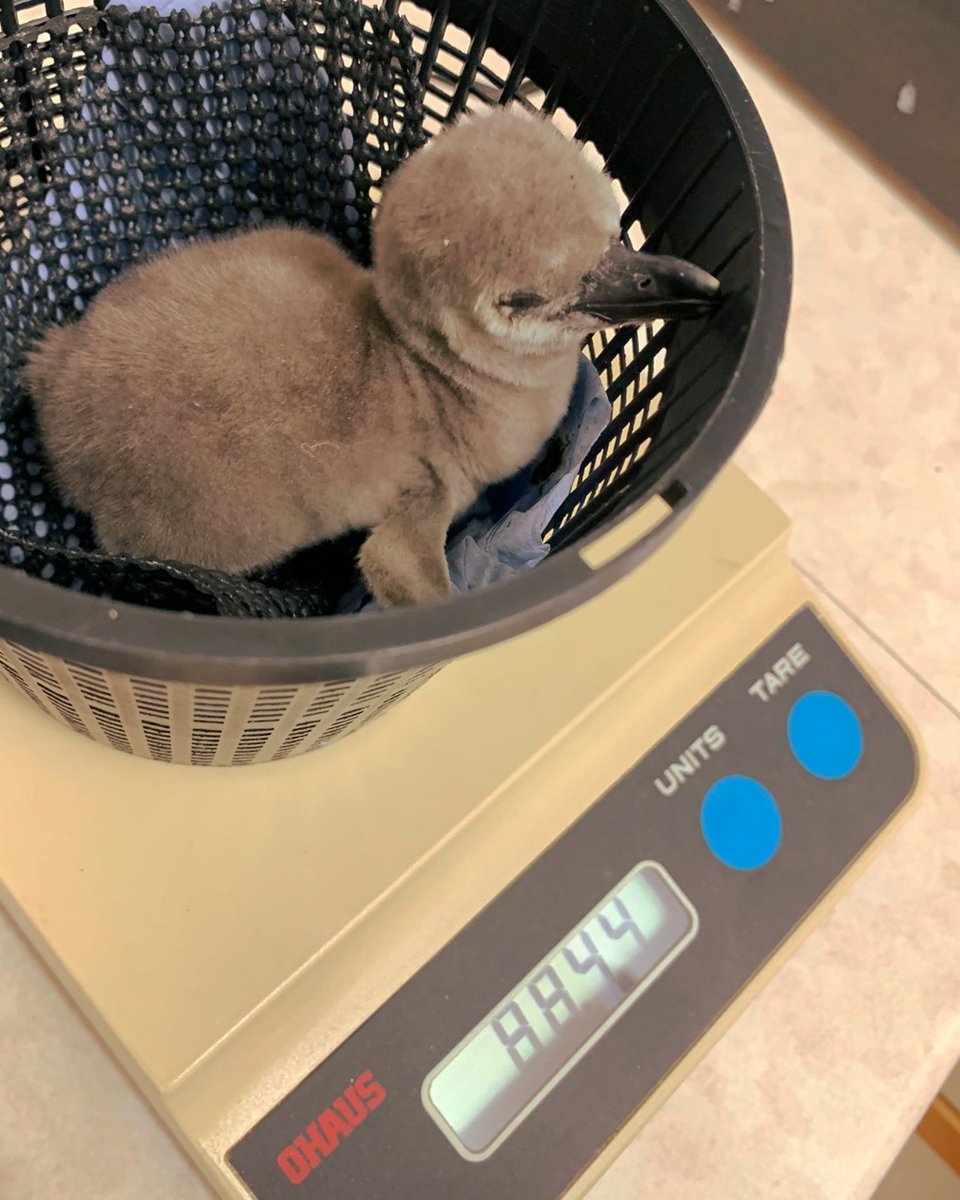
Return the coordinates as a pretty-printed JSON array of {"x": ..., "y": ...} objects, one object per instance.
[{"x": 233, "y": 651}]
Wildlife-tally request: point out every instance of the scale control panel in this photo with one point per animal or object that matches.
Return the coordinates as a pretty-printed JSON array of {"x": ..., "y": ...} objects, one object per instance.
[{"x": 507, "y": 1063}]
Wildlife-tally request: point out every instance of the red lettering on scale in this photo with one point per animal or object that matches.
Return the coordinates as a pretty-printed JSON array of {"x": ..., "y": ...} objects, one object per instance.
[
  {"x": 337, "y": 1121},
  {"x": 350, "y": 1107},
  {"x": 313, "y": 1145},
  {"x": 370, "y": 1091},
  {"x": 293, "y": 1164}
]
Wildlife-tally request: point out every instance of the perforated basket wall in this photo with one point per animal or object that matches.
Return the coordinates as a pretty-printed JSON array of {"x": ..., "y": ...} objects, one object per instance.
[
  {"x": 653, "y": 98},
  {"x": 122, "y": 135},
  {"x": 205, "y": 726}
]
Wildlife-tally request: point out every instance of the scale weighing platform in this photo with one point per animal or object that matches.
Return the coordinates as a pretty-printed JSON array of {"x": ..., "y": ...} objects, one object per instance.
[{"x": 467, "y": 951}]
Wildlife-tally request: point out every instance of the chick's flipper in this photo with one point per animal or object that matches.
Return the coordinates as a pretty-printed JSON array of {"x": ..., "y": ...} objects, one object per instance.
[{"x": 403, "y": 560}]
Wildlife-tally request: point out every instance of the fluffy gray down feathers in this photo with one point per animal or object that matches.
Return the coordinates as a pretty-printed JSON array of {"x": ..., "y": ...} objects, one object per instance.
[{"x": 232, "y": 401}]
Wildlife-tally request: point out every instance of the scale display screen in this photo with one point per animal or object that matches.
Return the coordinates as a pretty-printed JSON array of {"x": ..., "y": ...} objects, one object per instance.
[{"x": 529, "y": 1041}]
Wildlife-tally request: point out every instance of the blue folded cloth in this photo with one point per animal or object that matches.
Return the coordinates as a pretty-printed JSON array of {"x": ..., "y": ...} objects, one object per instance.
[{"x": 503, "y": 533}]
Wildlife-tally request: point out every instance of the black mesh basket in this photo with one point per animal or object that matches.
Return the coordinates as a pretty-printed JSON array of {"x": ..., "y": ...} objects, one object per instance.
[{"x": 121, "y": 133}]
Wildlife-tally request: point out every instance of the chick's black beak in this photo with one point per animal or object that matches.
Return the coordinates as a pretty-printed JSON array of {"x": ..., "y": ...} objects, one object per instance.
[{"x": 628, "y": 286}]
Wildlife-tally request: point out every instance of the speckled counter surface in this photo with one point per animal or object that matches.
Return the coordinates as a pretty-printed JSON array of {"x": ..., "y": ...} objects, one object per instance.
[{"x": 811, "y": 1093}]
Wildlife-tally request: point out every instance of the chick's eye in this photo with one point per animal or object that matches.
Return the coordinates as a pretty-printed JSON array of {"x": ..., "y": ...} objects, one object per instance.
[{"x": 520, "y": 301}]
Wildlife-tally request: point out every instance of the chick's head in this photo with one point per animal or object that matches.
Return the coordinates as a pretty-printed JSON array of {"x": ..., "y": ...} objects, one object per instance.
[{"x": 501, "y": 230}]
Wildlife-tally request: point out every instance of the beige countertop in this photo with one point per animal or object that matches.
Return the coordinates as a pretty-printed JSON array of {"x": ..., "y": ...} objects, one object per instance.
[{"x": 811, "y": 1093}]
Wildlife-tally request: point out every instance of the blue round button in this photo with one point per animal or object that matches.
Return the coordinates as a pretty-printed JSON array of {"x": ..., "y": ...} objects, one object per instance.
[
  {"x": 825, "y": 735},
  {"x": 741, "y": 822}
]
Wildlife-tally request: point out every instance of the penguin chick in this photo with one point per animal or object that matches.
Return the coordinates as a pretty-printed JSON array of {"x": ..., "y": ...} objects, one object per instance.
[{"x": 228, "y": 403}]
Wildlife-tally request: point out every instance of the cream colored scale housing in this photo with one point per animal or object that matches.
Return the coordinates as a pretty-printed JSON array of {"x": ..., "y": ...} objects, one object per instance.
[{"x": 226, "y": 931}]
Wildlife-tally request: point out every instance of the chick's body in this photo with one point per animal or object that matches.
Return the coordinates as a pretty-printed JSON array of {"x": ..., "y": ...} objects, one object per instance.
[
  {"x": 189, "y": 412},
  {"x": 236, "y": 400},
  {"x": 223, "y": 423},
  {"x": 188, "y": 419}
]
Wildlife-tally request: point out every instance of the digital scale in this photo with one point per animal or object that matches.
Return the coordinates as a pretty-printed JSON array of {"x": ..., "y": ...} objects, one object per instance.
[{"x": 467, "y": 951}]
